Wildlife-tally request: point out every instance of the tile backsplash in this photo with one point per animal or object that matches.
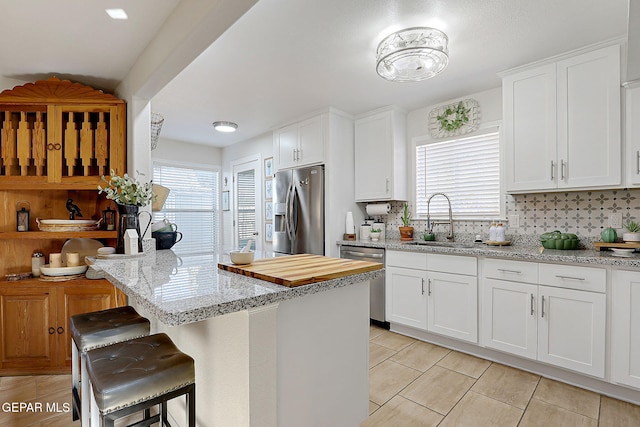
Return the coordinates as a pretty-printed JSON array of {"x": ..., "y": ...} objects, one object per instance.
[{"x": 585, "y": 213}]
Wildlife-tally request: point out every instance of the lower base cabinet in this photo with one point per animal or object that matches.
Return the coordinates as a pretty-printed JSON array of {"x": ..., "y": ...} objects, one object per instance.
[
  {"x": 625, "y": 327},
  {"x": 552, "y": 324},
  {"x": 34, "y": 334},
  {"x": 421, "y": 292}
]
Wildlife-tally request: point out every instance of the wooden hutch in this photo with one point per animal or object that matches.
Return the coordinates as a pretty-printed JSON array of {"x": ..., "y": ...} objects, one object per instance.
[{"x": 57, "y": 138}]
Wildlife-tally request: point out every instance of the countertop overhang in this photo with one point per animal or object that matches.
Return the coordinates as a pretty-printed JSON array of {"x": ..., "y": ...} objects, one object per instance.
[{"x": 186, "y": 289}]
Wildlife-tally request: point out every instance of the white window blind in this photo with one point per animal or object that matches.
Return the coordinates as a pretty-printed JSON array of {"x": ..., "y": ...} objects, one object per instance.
[
  {"x": 192, "y": 205},
  {"x": 246, "y": 206},
  {"x": 467, "y": 170}
]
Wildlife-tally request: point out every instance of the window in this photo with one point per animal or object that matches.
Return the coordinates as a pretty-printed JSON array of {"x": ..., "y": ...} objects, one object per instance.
[
  {"x": 192, "y": 205},
  {"x": 467, "y": 170}
]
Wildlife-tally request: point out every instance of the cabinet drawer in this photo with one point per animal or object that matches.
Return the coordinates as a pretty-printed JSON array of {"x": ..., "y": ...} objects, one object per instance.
[
  {"x": 414, "y": 260},
  {"x": 455, "y": 264},
  {"x": 573, "y": 277},
  {"x": 514, "y": 271}
]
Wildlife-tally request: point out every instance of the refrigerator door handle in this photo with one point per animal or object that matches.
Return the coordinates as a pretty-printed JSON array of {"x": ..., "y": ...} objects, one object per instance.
[
  {"x": 287, "y": 212},
  {"x": 294, "y": 213}
]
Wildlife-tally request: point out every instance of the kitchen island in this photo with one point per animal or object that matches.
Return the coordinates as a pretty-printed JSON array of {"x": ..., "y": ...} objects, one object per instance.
[{"x": 266, "y": 355}]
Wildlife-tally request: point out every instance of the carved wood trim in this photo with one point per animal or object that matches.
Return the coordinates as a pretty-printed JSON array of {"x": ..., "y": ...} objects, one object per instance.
[{"x": 54, "y": 90}]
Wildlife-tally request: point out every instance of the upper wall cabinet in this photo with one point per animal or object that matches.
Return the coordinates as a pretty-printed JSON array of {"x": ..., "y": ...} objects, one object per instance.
[
  {"x": 562, "y": 124},
  {"x": 632, "y": 134},
  {"x": 60, "y": 134},
  {"x": 381, "y": 156},
  {"x": 300, "y": 144}
]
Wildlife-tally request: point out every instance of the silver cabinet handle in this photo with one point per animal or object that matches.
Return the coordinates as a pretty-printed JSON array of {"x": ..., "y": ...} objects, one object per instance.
[
  {"x": 542, "y": 307},
  {"x": 502, "y": 270},
  {"x": 552, "y": 167},
  {"x": 562, "y": 166},
  {"x": 423, "y": 286},
  {"x": 429, "y": 288},
  {"x": 638, "y": 162},
  {"x": 387, "y": 187},
  {"x": 569, "y": 277},
  {"x": 533, "y": 300}
]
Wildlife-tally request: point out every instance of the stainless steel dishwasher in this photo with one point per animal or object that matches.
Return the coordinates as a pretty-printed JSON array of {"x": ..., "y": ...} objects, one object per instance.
[{"x": 377, "y": 292}]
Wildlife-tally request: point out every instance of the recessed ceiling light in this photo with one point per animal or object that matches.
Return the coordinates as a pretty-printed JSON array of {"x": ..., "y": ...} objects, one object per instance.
[
  {"x": 117, "y": 13},
  {"x": 223, "y": 126}
]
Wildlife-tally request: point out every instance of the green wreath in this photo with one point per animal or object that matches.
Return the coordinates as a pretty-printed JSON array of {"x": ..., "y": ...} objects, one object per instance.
[{"x": 454, "y": 117}]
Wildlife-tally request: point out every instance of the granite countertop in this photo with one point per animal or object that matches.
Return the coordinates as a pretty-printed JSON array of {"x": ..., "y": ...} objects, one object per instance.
[
  {"x": 522, "y": 253},
  {"x": 186, "y": 289}
]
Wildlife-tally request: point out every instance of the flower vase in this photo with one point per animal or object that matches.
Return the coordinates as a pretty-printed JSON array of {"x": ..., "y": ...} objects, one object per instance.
[{"x": 129, "y": 218}]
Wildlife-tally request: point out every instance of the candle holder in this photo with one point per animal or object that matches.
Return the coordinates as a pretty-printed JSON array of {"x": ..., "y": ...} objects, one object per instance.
[{"x": 22, "y": 215}]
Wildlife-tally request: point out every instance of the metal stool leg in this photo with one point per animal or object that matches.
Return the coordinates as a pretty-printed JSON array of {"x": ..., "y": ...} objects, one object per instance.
[
  {"x": 95, "y": 412},
  {"x": 75, "y": 380},
  {"x": 85, "y": 400}
]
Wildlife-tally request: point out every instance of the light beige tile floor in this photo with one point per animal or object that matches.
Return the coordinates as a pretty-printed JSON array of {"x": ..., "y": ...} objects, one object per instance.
[{"x": 412, "y": 383}]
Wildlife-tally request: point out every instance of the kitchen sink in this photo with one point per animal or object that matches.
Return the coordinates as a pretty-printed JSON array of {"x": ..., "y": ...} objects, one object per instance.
[{"x": 440, "y": 244}]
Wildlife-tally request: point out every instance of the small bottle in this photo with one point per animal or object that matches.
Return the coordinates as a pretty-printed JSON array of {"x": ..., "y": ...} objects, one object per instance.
[
  {"x": 500, "y": 233},
  {"x": 492, "y": 232},
  {"x": 37, "y": 261}
]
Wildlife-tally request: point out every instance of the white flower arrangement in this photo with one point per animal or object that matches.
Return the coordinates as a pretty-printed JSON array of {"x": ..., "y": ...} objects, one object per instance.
[{"x": 126, "y": 190}]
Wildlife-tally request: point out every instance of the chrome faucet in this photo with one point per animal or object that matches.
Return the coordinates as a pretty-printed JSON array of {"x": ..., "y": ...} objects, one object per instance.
[{"x": 450, "y": 235}]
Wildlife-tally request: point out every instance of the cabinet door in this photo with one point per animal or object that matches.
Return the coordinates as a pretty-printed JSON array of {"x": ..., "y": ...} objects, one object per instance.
[
  {"x": 509, "y": 322},
  {"x": 311, "y": 143},
  {"x": 632, "y": 135},
  {"x": 406, "y": 299},
  {"x": 571, "y": 329},
  {"x": 76, "y": 299},
  {"x": 529, "y": 109},
  {"x": 625, "y": 328},
  {"x": 374, "y": 157},
  {"x": 28, "y": 328},
  {"x": 286, "y": 141},
  {"x": 589, "y": 144},
  {"x": 453, "y": 305},
  {"x": 84, "y": 143}
]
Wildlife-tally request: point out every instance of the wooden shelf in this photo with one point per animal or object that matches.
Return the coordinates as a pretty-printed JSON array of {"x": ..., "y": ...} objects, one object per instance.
[
  {"x": 622, "y": 245},
  {"x": 48, "y": 235}
]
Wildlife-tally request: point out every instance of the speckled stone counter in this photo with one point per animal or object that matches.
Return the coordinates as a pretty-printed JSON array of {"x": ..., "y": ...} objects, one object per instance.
[
  {"x": 179, "y": 290},
  {"x": 522, "y": 253}
]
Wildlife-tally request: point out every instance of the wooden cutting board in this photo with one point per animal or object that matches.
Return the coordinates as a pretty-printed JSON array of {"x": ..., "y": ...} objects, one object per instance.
[{"x": 302, "y": 269}]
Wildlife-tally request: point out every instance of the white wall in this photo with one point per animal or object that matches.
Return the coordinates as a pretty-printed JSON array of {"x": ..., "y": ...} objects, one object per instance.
[
  {"x": 185, "y": 152},
  {"x": 262, "y": 145}
]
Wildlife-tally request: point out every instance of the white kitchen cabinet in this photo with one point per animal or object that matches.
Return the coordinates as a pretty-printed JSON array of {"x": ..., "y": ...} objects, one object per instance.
[
  {"x": 381, "y": 156},
  {"x": 406, "y": 299},
  {"x": 562, "y": 124},
  {"x": 559, "y": 320},
  {"x": 571, "y": 329},
  {"x": 427, "y": 291},
  {"x": 625, "y": 328},
  {"x": 453, "y": 305},
  {"x": 300, "y": 144},
  {"x": 510, "y": 321},
  {"x": 632, "y": 134}
]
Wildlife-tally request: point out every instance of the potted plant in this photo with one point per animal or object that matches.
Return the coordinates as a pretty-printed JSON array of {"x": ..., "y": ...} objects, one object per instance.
[
  {"x": 375, "y": 234},
  {"x": 633, "y": 234},
  {"x": 406, "y": 232}
]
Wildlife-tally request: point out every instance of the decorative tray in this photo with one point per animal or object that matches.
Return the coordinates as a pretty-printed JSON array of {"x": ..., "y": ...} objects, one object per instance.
[
  {"x": 66, "y": 225},
  {"x": 493, "y": 243}
]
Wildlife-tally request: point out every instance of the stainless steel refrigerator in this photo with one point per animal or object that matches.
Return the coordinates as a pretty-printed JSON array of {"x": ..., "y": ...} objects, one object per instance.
[{"x": 298, "y": 198}]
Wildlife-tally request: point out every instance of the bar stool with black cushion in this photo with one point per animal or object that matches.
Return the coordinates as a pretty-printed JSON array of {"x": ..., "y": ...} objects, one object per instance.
[
  {"x": 94, "y": 330},
  {"x": 136, "y": 375}
]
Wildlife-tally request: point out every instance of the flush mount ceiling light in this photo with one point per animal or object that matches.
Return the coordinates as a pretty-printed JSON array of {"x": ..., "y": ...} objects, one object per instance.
[
  {"x": 117, "y": 13},
  {"x": 225, "y": 126},
  {"x": 412, "y": 54}
]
